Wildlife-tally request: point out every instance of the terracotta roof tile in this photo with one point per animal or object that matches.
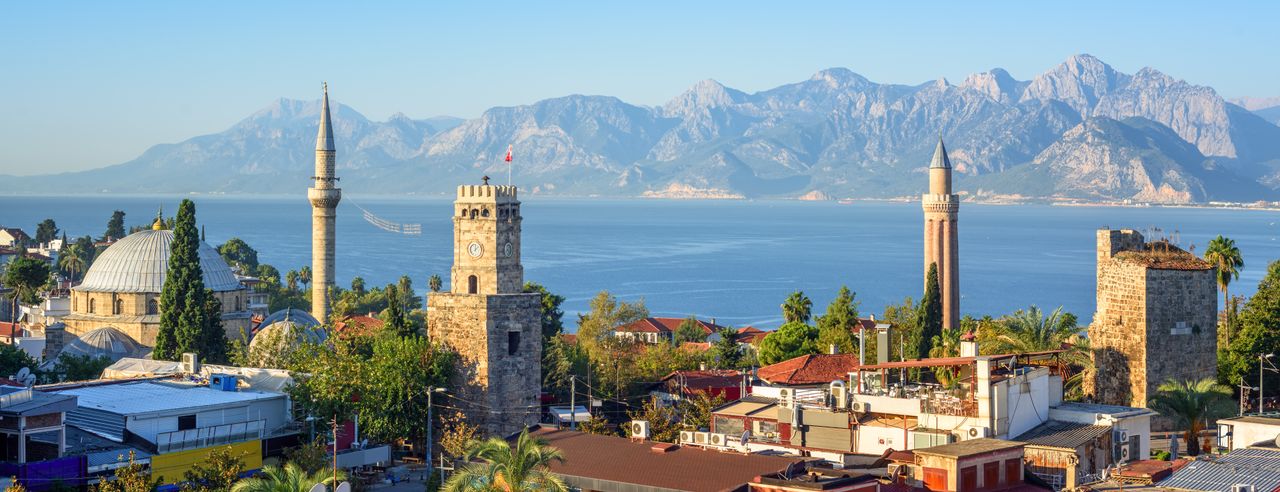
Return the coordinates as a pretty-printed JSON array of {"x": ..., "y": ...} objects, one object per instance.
[
  {"x": 626, "y": 461},
  {"x": 703, "y": 380},
  {"x": 810, "y": 369},
  {"x": 664, "y": 325}
]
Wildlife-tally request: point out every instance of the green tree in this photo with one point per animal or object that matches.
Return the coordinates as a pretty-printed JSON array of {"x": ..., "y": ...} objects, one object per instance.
[
  {"x": 1192, "y": 405},
  {"x": 46, "y": 230},
  {"x": 607, "y": 313},
  {"x": 1223, "y": 254},
  {"x": 289, "y": 478},
  {"x": 133, "y": 477},
  {"x": 837, "y": 325},
  {"x": 435, "y": 283},
  {"x": 357, "y": 285},
  {"x": 216, "y": 473},
  {"x": 789, "y": 341},
  {"x": 508, "y": 467},
  {"x": 552, "y": 315},
  {"x": 408, "y": 301},
  {"x": 561, "y": 360},
  {"x": 311, "y": 457},
  {"x": 1258, "y": 333},
  {"x": 304, "y": 276},
  {"x": 930, "y": 311},
  {"x": 115, "y": 226},
  {"x": 213, "y": 339},
  {"x": 25, "y": 276},
  {"x": 797, "y": 308},
  {"x": 690, "y": 330},
  {"x": 291, "y": 280},
  {"x": 1031, "y": 330},
  {"x": 182, "y": 298},
  {"x": 598, "y": 426},
  {"x": 71, "y": 260},
  {"x": 394, "y": 319},
  {"x": 80, "y": 367},
  {"x": 726, "y": 352},
  {"x": 696, "y": 411},
  {"x": 239, "y": 255},
  {"x": 393, "y": 403},
  {"x": 664, "y": 425},
  {"x": 13, "y": 359}
]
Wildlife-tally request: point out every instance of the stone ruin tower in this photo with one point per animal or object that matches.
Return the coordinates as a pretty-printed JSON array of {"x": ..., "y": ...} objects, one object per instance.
[
  {"x": 1157, "y": 318},
  {"x": 486, "y": 317}
]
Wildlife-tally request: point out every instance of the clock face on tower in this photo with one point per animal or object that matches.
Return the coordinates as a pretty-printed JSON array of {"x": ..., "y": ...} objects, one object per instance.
[
  {"x": 475, "y": 250},
  {"x": 508, "y": 250}
]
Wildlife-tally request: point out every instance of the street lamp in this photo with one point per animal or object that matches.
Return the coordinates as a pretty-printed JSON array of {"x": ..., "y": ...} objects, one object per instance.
[{"x": 431, "y": 390}]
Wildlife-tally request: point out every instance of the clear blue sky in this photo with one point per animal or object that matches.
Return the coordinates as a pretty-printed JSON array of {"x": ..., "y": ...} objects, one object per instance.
[{"x": 88, "y": 84}]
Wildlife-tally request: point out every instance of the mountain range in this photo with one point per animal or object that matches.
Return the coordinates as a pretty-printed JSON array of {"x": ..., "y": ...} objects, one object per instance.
[{"x": 1079, "y": 131}]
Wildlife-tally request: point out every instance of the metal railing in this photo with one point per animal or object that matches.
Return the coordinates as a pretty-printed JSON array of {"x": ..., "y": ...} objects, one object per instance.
[{"x": 167, "y": 442}]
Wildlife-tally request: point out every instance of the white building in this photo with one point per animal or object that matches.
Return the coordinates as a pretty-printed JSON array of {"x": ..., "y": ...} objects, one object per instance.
[{"x": 1249, "y": 431}]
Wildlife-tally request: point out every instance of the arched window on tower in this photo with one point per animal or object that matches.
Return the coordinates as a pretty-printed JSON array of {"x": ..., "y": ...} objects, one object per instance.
[
  {"x": 153, "y": 307},
  {"x": 473, "y": 285},
  {"x": 484, "y": 213},
  {"x": 118, "y": 308},
  {"x": 92, "y": 305},
  {"x": 474, "y": 212}
]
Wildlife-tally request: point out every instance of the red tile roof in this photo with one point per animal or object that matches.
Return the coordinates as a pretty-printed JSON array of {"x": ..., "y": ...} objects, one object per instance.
[
  {"x": 359, "y": 324},
  {"x": 664, "y": 325},
  {"x": 696, "y": 346},
  {"x": 625, "y": 461},
  {"x": 810, "y": 369},
  {"x": 704, "y": 380},
  {"x": 10, "y": 330},
  {"x": 751, "y": 334},
  {"x": 570, "y": 338}
]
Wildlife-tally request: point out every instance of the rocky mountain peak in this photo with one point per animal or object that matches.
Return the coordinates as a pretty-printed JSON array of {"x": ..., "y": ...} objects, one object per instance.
[
  {"x": 995, "y": 83},
  {"x": 1080, "y": 81},
  {"x": 707, "y": 93}
]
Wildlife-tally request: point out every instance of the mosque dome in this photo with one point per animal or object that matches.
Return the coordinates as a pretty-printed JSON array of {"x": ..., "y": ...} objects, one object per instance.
[
  {"x": 288, "y": 326},
  {"x": 105, "y": 341},
  {"x": 140, "y": 261}
]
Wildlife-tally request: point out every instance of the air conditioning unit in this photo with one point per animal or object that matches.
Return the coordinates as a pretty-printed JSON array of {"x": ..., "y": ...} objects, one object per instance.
[
  {"x": 1124, "y": 454},
  {"x": 223, "y": 382},
  {"x": 1121, "y": 436},
  {"x": 859, "y": 407},
  {"x": 839, "y": 397},
  {"x": 700, "y": 438},
  {"x": 976, "y": 432},
  {"x": 1242, "y": 487},
  {"x": 686, "y": 437},
  {"x": 190, "y": 363},
  {"x": 639, "y": 429},
  {"x": 719, "y": 440}
]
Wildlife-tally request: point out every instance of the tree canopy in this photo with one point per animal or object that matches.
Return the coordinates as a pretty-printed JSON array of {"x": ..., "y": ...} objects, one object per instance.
[
  {"x": 690, "y": 330},
  {"x": 115, "y": 226},
  {"x": 1258, "y": 333},
  {"x": 189, "y": 319},
  {"x": 552, "y": 315},
  {"x": 239, "y": 255},
  {"x": 837, "y": 325},
  {"x": 789, "y": 341},
  {"x": 46, "y": 230},
  {"x": 930, "y": 311},
  {"x": 797, "y": 308}
]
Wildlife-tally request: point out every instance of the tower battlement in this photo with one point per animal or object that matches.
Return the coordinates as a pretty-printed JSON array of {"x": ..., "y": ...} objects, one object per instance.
[{"x": 486, "y": 192}]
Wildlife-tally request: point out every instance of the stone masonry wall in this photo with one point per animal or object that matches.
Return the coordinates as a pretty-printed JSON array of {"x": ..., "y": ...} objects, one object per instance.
[{"x": 1189, "y": 297}]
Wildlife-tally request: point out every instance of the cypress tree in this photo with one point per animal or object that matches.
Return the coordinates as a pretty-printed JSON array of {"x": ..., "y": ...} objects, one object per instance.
[
  {"x": 182, "y": 300},
  {"x": 394, "y": 318},
  {"x": 930, "y": 311}
]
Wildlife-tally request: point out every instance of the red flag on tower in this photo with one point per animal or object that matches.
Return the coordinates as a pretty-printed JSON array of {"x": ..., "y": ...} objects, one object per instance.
[{"x": 508, "y": 153}]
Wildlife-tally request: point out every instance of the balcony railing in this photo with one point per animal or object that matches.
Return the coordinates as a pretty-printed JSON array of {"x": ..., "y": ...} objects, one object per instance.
[{"x": 182, "y": 440}]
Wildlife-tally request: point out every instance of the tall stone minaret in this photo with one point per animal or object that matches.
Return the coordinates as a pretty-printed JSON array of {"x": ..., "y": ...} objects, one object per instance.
[
  {"x": 941, "y": 244},
  {"x": 324, "y": 198}
]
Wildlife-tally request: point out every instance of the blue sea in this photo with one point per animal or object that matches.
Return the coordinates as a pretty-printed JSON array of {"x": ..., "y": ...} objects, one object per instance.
[{"x": 732, "y": 260}]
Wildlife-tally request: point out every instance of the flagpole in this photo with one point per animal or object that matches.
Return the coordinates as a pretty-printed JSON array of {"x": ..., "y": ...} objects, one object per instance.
[{"x": 510, "y": 164}]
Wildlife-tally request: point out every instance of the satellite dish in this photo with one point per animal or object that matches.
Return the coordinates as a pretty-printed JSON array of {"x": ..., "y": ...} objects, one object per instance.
[
  {"x": 319, "y": 488},
  {"x": 1278, "y": 440},
  {"x": 22, "y": 374},
  {"x": 344, "y": 487}
]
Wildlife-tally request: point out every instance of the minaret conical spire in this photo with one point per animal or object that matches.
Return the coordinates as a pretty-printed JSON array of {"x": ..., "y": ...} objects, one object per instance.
[
  {"x": 324, "y": 138},
  {"x": 940, "y": 156}
]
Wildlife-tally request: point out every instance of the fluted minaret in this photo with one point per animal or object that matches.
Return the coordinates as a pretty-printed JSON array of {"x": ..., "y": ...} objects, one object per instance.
[
  {"x": 324, "y": 198},
  {"x": 941, "y": 244}
]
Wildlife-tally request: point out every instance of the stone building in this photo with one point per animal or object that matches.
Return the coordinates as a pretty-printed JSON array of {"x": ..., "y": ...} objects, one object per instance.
[
  {"x": 122, "y": 289},
  {"x": 486, "y": 317},
  {"x": 941, "y": 236},
  {"x": 324, "y": 197},
  {"x": 1156, "y": 319}
]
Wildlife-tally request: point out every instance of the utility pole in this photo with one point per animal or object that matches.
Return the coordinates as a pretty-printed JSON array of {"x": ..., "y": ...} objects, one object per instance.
[
  {"x": 573, "y": 401},
  {"x": 431, "y": 443},
  {"x": 335, "y": 452}
]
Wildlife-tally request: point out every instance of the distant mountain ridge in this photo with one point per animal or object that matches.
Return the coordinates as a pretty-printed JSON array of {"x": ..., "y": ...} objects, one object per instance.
[{"x": 1081, "y": 131}]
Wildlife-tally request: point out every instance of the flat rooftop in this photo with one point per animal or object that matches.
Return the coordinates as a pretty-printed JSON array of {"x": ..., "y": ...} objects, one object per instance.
[
  {"x": 971, "y": 447},
  {"x": 145, "y": 397},
  {"x": 592, "y": 461}
]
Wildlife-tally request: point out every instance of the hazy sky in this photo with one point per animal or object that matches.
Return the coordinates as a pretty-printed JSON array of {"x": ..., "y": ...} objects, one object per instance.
[{"x": 88, "y": 84}]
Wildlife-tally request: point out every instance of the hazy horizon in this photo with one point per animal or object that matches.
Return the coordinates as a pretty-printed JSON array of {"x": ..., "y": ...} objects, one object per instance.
[{"x": 100, "y": 83}]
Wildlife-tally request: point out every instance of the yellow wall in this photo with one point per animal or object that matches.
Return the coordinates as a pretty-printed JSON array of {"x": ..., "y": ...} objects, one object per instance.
[{"x": 172, "y": 467}]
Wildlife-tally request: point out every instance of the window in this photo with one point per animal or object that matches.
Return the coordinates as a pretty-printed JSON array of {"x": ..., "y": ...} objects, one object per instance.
[
  {"x": 186, "y": 422},
  {"x": 117, "y": 307},
  {"x": 473, "y": 213},
  {"x": 153, "y": 307},
  {"x": 513, "y": 342},
  {"x": 484, "y": 213},
  {"x": 237, "y": 303},
  {"x": 473, "y": 285},
  {"x": 91, "y": 305}
]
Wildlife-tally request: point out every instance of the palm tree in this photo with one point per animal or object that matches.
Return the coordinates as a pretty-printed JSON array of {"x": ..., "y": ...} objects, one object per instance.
[
  {"x": 290, "y": 478},
  {"x": 1030, "y": 330},
  {"x": 797, "y": 308},
  {"x": 304, "y": 276},
  {"x": 1192, "y": 405},
  {"x": 946, "y": 344},
  {"x": 1223, "y": 254},
  {"x": 507, "y": 468},
  {"x": 435, "y": 283},
  {"x": 72, "y": 260},
  {"x": 291, "y": 280}
]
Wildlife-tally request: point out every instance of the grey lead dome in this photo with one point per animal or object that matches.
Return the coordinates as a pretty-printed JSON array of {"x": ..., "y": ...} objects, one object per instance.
[{"x": 140, "y": 261}]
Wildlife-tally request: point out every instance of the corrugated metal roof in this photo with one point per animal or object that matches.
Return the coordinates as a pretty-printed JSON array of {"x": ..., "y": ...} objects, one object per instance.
[
  {"x": 1062, "y": 434},
  {"x": 152, "y": 396},
  {"x": 1253, "y": 466},
  {"x": 140, "y": 261}
]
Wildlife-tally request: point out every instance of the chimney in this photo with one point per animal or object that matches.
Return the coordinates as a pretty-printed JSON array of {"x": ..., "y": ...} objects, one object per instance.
[
  {"x": 873, "y": 317},
  {"x": 882, "y": 346},
  {"x": 702, "y": 366},
  {"x": 833, "y": 349}
]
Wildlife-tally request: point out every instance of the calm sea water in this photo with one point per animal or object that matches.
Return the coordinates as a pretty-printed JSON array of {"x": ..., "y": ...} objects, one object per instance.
[{"x": 732, "y": 260}]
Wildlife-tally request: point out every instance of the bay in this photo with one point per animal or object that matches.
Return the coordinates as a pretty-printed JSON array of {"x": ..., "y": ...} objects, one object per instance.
[{"x": 731, "y": 260}]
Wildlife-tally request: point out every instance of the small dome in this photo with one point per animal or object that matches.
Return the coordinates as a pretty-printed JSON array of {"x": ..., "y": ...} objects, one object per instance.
[
  {"x": 289, "y": 314},
  {"x": 106, "y": 341},
  {"x": 288, "y": 326},
  {"x": 140, "y": 261}
]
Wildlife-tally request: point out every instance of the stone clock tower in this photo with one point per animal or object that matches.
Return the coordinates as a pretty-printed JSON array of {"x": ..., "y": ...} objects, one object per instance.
[{"x": 486, "y": 317}]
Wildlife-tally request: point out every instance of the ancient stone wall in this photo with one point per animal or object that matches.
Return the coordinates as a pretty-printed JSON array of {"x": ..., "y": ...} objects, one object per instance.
[{"x": 1182, "y": 328}]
